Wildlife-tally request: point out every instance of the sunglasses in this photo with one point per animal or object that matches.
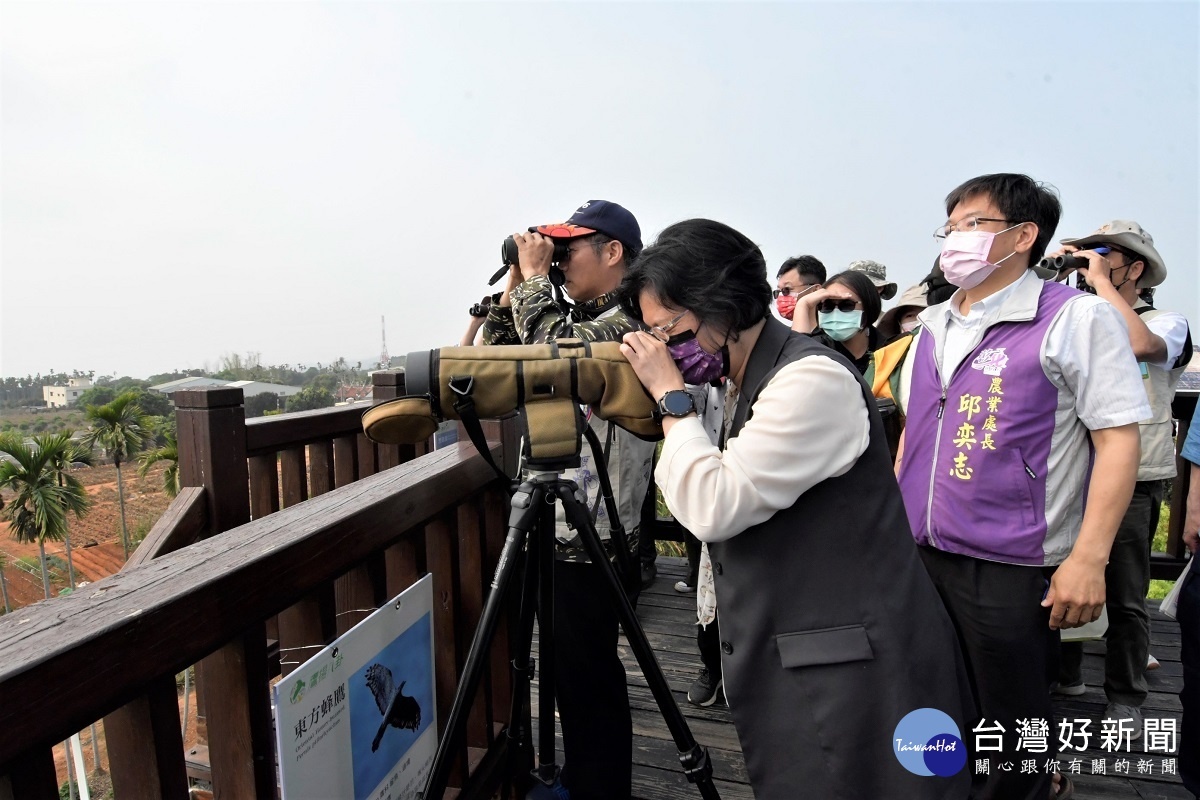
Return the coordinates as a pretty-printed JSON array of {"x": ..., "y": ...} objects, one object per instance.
[
  {"x": 828, "y": 305},
  {"x": 798, "y": 291}
]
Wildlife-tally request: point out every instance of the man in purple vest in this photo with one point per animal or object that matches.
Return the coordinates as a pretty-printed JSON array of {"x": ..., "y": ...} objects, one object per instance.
[{"x": 1025, "y": 401}]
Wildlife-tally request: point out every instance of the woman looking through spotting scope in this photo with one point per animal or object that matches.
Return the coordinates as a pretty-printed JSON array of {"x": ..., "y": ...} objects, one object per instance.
[{"x": 824, "y": 651}]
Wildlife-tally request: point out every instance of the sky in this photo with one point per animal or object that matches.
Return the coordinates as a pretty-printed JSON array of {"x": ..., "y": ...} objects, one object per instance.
[{"x": 185, "y": 180}]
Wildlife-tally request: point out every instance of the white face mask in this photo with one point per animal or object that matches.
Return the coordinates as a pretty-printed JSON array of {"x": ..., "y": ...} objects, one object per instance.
[
  {"x": 964, "y": 257},
  {"x": 910, "y": 325}
]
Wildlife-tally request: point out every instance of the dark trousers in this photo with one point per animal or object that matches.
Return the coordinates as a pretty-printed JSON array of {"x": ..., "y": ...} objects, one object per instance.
[
  {"x": 692, "y": 545},
  {"x": 708, "y": 640},
  {"x": 593, "y": 699},
  {"x": 1188, "y": 615},
  {"x": 1006, "y": 642},
  {"x": 1127, "y": 581}
]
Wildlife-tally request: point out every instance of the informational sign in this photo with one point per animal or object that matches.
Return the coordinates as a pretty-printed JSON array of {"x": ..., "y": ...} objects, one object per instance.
[
  {"x": 358, "y": 719},
  {"x": 446, "y": 435}
]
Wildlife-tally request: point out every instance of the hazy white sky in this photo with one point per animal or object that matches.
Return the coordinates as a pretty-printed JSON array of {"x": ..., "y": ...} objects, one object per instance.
[{"x": 180, "y": 180}]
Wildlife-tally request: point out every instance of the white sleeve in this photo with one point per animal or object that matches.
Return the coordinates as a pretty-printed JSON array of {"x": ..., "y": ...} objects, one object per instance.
[
  {"x": 1087, "y": 351},
  {"x": 1172, "y": 328},
  {"x": 809, "y": 423}
]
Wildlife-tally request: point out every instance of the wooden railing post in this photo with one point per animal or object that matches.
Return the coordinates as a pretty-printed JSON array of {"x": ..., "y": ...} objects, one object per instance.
[
  {"x": 231, "y": 685},
  {"x": 212, "y": 452},
  {"x": 388, "y": 385},
  {"x": 145, "y": 747}
]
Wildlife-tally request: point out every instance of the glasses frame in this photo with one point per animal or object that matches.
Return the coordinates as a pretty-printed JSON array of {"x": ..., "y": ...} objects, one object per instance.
[
  {"x": 663, "y": 332},
  {"x": 787, "y": 291},
  {"x": 945, "y": 230},
  {"x": 834, "y": 303}
]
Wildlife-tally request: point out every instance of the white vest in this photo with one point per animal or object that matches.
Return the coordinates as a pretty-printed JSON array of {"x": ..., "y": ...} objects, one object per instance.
[{"x": 1158, "y": 445}]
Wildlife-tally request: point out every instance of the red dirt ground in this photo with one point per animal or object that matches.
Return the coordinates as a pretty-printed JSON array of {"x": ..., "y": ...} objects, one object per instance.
[
  {"x": 95, "y": 553},
  {"x": 95, "y": 539}
]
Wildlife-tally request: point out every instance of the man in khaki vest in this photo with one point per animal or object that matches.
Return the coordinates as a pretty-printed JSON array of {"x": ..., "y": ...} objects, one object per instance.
[{"x": 1122, "y": 263}]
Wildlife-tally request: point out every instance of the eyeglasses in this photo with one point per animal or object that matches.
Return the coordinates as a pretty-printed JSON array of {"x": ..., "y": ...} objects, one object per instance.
[
  {"x": 663, "y": 332},
  {"x": 965, "y": 225},
  {"x": 828, "y": 305},
  {"x": 799, "y": 292}
]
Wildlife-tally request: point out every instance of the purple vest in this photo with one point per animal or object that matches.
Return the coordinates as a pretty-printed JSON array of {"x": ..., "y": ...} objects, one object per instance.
[{"x": 973, "y": 474}]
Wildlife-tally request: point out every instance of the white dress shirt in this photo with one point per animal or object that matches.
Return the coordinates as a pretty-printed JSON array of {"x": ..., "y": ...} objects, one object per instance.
[{"x": 809, "y": 423}]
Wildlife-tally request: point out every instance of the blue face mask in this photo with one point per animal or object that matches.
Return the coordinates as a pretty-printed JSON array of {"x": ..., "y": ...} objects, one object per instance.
[{"x": 840, "y": 325}]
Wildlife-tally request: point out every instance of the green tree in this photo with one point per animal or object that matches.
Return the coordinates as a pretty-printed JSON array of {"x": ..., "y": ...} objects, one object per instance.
[
  {"x": 154, "y": 404},
  {"x": 310, "y": 398},
  {"x": 39, "y": 509},
  {"x": 69, "y": 452},
  {"x": 96, "y": 396},
  {"x": 168, "y": 452},
  {"x": 259, "y": 404},
  {"x": 118, "y": 427}
]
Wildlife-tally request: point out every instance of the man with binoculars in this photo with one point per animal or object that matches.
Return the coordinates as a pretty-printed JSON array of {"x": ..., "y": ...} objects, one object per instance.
[
  {"x": 1116, "y": 262},
  {"x": 594, "y": 247}
]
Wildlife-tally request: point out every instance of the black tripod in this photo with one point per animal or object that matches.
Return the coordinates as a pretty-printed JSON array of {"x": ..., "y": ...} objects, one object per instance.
[{"x": 531, "y": 535}]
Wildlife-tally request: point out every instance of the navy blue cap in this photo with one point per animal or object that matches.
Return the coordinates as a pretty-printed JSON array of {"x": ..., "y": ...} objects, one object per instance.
[{"x": 599, "y": 216}]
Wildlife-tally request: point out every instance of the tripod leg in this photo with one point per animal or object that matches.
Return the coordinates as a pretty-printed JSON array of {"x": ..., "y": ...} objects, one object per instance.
[
  {"x": 696, "y": 764},
  {"x": 526, "y": 503},
  {"x": 520, "y": 734},
  {"x": 547, "y": 770}
]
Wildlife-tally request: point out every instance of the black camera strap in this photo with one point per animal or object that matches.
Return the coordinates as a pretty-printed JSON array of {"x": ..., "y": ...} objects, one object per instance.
[{"x": 464, "y": 405}]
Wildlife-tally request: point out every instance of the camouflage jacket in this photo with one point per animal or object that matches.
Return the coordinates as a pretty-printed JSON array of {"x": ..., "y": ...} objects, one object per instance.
[{"x": 535, "y": 318}]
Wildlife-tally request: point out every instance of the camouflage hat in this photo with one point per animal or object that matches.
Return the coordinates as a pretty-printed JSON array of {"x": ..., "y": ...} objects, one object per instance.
[
  {"x": 1128, "y": 235},
  {"x": 878, "y": 274}
]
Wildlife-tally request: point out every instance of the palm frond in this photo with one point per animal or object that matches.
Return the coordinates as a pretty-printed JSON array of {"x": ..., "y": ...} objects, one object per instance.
[
  {"x": 169, "y": 453},
  {"x": 119, "y": 427},
  {"x": 39, "y": 506}
]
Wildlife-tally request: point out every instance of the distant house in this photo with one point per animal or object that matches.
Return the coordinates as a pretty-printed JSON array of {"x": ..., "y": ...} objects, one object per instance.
[
  {"x": 63, "y": 396},
  {"x": 251, "y": 388}
]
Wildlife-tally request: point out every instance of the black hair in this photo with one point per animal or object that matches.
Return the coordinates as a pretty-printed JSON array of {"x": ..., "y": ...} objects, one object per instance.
[
  {"x": 804, "y": 265},
  {"x": 598, "y": 240},
  {"x": 1020, "y": 199},
  {"x": 861, "y": 285},
  {"x": 707, "y": 268},
  {"x": 940, "y": 293}
]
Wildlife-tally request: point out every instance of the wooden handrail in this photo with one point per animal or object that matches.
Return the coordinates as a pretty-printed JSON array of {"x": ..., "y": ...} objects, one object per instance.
[
  {"x": 184, "y": 522},
  {"x": 280, "y": 431},
  {"x": 99, "y": 649}
]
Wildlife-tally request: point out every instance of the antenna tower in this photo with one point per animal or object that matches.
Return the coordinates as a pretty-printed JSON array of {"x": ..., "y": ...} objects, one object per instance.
[{"x": 385, "y": 360}]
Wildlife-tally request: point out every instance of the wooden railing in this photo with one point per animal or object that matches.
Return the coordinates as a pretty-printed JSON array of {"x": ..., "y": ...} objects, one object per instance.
[
  {"x": 288, "y": 531},
  {"x": 336, "y": 532}
]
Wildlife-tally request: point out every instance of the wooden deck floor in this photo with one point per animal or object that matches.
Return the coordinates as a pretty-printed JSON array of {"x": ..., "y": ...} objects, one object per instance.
[{"x": 668, "y": 619}]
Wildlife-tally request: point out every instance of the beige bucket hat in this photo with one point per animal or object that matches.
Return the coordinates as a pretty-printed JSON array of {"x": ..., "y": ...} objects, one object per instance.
[{"x": 1128, "y": 235}]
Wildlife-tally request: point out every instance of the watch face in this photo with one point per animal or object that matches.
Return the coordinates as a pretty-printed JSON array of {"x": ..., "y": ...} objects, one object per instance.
[{"x": 676, "y": 403}]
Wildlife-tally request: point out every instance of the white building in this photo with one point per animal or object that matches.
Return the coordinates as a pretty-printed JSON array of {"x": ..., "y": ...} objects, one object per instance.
[
  {"x": 251, "y": 388},
  {"x": 63, "y": 396}
]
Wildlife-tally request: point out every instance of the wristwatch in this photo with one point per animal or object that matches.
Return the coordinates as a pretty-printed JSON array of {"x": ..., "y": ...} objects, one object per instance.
[{"x": 675, "y": 403}]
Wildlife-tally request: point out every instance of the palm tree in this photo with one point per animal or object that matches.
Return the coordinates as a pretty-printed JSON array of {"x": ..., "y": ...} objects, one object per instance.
[
  {"x": 168, "y": 452},
  {"x": 39, "y": 509},
  {"x": 70, "y": 452},
  {"x": 119, "y": 428}
]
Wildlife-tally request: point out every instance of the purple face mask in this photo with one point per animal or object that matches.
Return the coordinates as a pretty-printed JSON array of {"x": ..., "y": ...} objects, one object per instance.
[{"x": 697, "y": 366}]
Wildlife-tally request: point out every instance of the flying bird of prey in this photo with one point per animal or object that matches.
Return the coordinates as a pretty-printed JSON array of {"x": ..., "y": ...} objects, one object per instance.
[{"x": 398, "y": 710}]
